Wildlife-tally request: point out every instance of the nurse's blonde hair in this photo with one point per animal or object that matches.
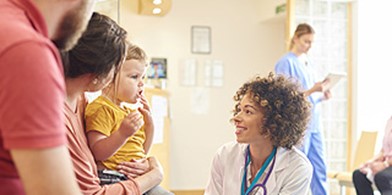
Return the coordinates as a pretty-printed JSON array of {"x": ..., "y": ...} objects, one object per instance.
[{"x": 302, "y": 29}]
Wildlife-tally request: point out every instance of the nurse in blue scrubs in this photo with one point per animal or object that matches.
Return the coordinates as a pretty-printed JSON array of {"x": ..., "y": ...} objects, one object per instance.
[{"x": 295, "y": 65}]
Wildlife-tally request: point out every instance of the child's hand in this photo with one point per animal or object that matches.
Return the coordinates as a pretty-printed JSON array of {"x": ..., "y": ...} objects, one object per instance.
[
  {"x": 144, "y": 101},
  {"x": 131, "y": 123},
  {"x": 145, "y": 110},
  {"x": 134, "y": 168}
]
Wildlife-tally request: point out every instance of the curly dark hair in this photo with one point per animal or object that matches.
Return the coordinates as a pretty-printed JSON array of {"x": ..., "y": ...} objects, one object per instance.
[{"x": 285, "y": 108}]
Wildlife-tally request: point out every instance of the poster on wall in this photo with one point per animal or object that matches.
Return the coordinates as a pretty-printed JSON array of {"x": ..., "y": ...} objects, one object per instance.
[
  {"x": 188, "y": 72},
  {"x": 213, "y": 73}
]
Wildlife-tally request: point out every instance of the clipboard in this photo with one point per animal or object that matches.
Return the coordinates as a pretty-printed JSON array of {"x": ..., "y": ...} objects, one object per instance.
[{"x": 333, "y": 78}]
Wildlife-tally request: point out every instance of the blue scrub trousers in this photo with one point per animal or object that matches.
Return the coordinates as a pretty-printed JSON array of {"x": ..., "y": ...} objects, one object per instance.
[{"x": 314, "y": 150}]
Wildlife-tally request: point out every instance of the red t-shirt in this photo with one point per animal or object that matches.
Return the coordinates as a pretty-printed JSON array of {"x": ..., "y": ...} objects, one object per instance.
[{"x": 32, "y": 88}]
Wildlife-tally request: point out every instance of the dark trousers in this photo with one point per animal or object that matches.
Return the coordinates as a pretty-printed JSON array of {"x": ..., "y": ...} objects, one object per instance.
[{"x": 383, "y": 181}]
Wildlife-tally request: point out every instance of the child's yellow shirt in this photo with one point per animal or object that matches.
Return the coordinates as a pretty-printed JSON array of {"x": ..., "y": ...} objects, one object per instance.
[{"x": 104, "y": 116}]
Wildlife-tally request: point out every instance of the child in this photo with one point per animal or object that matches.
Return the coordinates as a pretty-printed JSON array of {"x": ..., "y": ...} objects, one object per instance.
[{"x": 116, "y": 134}]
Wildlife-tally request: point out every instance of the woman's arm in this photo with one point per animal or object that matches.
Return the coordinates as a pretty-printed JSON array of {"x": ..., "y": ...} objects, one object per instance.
[
  {"x": 134, "y": 168},
  {"x": 151, "y": 178},
  {"x": 317, "y": 87}
]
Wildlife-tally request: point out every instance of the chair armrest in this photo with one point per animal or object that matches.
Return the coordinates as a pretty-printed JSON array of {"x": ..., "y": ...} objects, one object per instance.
[
  {"x": 332, "y": 174},
  {"x": 345, "y": 179}
]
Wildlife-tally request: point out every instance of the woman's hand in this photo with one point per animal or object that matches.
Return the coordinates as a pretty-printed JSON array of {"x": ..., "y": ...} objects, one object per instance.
[
  {"x": 327, "y": 95},
  {"x": 364, "y": 168},
  {"x": 319, "y": 87},
  {"x": 134, "y": 168},
  {"x": 151, "y": 178},
  {"x": 377, "y": 167},
  {"x": 155, "y": 165}
]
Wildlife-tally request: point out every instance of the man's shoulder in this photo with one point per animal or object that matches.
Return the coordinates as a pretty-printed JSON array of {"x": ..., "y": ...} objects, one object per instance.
[
  {"x": 15, "y": 34},
  {"x": 18, "y": 30}
]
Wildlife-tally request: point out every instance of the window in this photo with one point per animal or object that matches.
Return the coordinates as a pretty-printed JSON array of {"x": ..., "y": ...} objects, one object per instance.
[{"x": 330, "y": 53}]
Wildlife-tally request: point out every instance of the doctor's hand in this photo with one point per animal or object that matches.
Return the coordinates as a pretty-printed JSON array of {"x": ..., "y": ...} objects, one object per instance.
[{"x": 134, "y": 168}]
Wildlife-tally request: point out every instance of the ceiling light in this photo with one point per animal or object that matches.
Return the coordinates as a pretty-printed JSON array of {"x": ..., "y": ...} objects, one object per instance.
[
  {"x": 156, "y": 10},
  {"x": 157, "y": 2}
]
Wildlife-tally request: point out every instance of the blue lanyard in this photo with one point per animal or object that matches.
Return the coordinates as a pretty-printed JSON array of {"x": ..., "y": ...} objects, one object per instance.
[{"x": 244, "y": 189}]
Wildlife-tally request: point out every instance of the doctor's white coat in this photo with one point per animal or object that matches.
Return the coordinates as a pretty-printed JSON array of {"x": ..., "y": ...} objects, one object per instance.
[{"x": 291, "y": 174}]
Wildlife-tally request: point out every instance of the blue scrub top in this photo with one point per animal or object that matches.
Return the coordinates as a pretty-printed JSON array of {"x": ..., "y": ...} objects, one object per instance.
[{"x": 290, "y": 65}]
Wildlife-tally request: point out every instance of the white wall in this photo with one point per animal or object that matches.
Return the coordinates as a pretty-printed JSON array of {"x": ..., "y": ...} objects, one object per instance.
[
  {"x": 374, "y": 65},
  {"x": 239, "y": 38}
]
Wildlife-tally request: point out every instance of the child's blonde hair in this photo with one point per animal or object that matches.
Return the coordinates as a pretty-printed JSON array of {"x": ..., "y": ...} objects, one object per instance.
[{"x": 134, "y": 52}]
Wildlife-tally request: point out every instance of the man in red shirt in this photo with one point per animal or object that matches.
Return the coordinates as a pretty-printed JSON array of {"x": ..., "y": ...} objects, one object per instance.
[{"x": 33, "y": 154}]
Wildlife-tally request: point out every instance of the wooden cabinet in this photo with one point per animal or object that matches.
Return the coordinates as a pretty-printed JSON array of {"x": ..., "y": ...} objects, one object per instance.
[{"x": 159, "y": 98}]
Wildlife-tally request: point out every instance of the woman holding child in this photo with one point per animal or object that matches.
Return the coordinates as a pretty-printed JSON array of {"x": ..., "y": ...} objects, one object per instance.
[{"x": 90, "y": 66}]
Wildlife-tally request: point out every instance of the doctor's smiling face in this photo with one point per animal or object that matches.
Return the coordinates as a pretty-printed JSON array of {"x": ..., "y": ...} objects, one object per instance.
[
  {"x": 248, "y": 120},
  {"x": 272, "y": 110}
]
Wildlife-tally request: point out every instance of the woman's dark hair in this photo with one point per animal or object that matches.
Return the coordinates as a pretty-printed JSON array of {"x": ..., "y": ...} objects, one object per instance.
[
  {"x": 285, "y": 108},
  {"x": 101, "y": 47}
]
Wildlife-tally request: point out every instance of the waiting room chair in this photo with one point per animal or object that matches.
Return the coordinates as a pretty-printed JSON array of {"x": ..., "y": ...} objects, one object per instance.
[{"x": 364, "y": 151}]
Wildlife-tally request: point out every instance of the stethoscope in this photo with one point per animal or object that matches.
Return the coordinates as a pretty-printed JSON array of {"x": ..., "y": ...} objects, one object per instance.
[{"x": 244, "y": 188}]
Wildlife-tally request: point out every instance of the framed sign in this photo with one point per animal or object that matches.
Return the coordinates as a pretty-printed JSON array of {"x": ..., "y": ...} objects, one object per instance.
[
  {"x": 157, "y": 69},
  {"x": 201, "y": 40}
]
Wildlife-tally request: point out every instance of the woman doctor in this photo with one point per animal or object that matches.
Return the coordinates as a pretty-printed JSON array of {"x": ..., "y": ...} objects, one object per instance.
[{"x": 270, "y": 117}]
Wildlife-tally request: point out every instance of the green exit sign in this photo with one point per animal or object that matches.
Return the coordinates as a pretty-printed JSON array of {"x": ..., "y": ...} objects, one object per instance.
[{"x": 280, "y": 9}]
